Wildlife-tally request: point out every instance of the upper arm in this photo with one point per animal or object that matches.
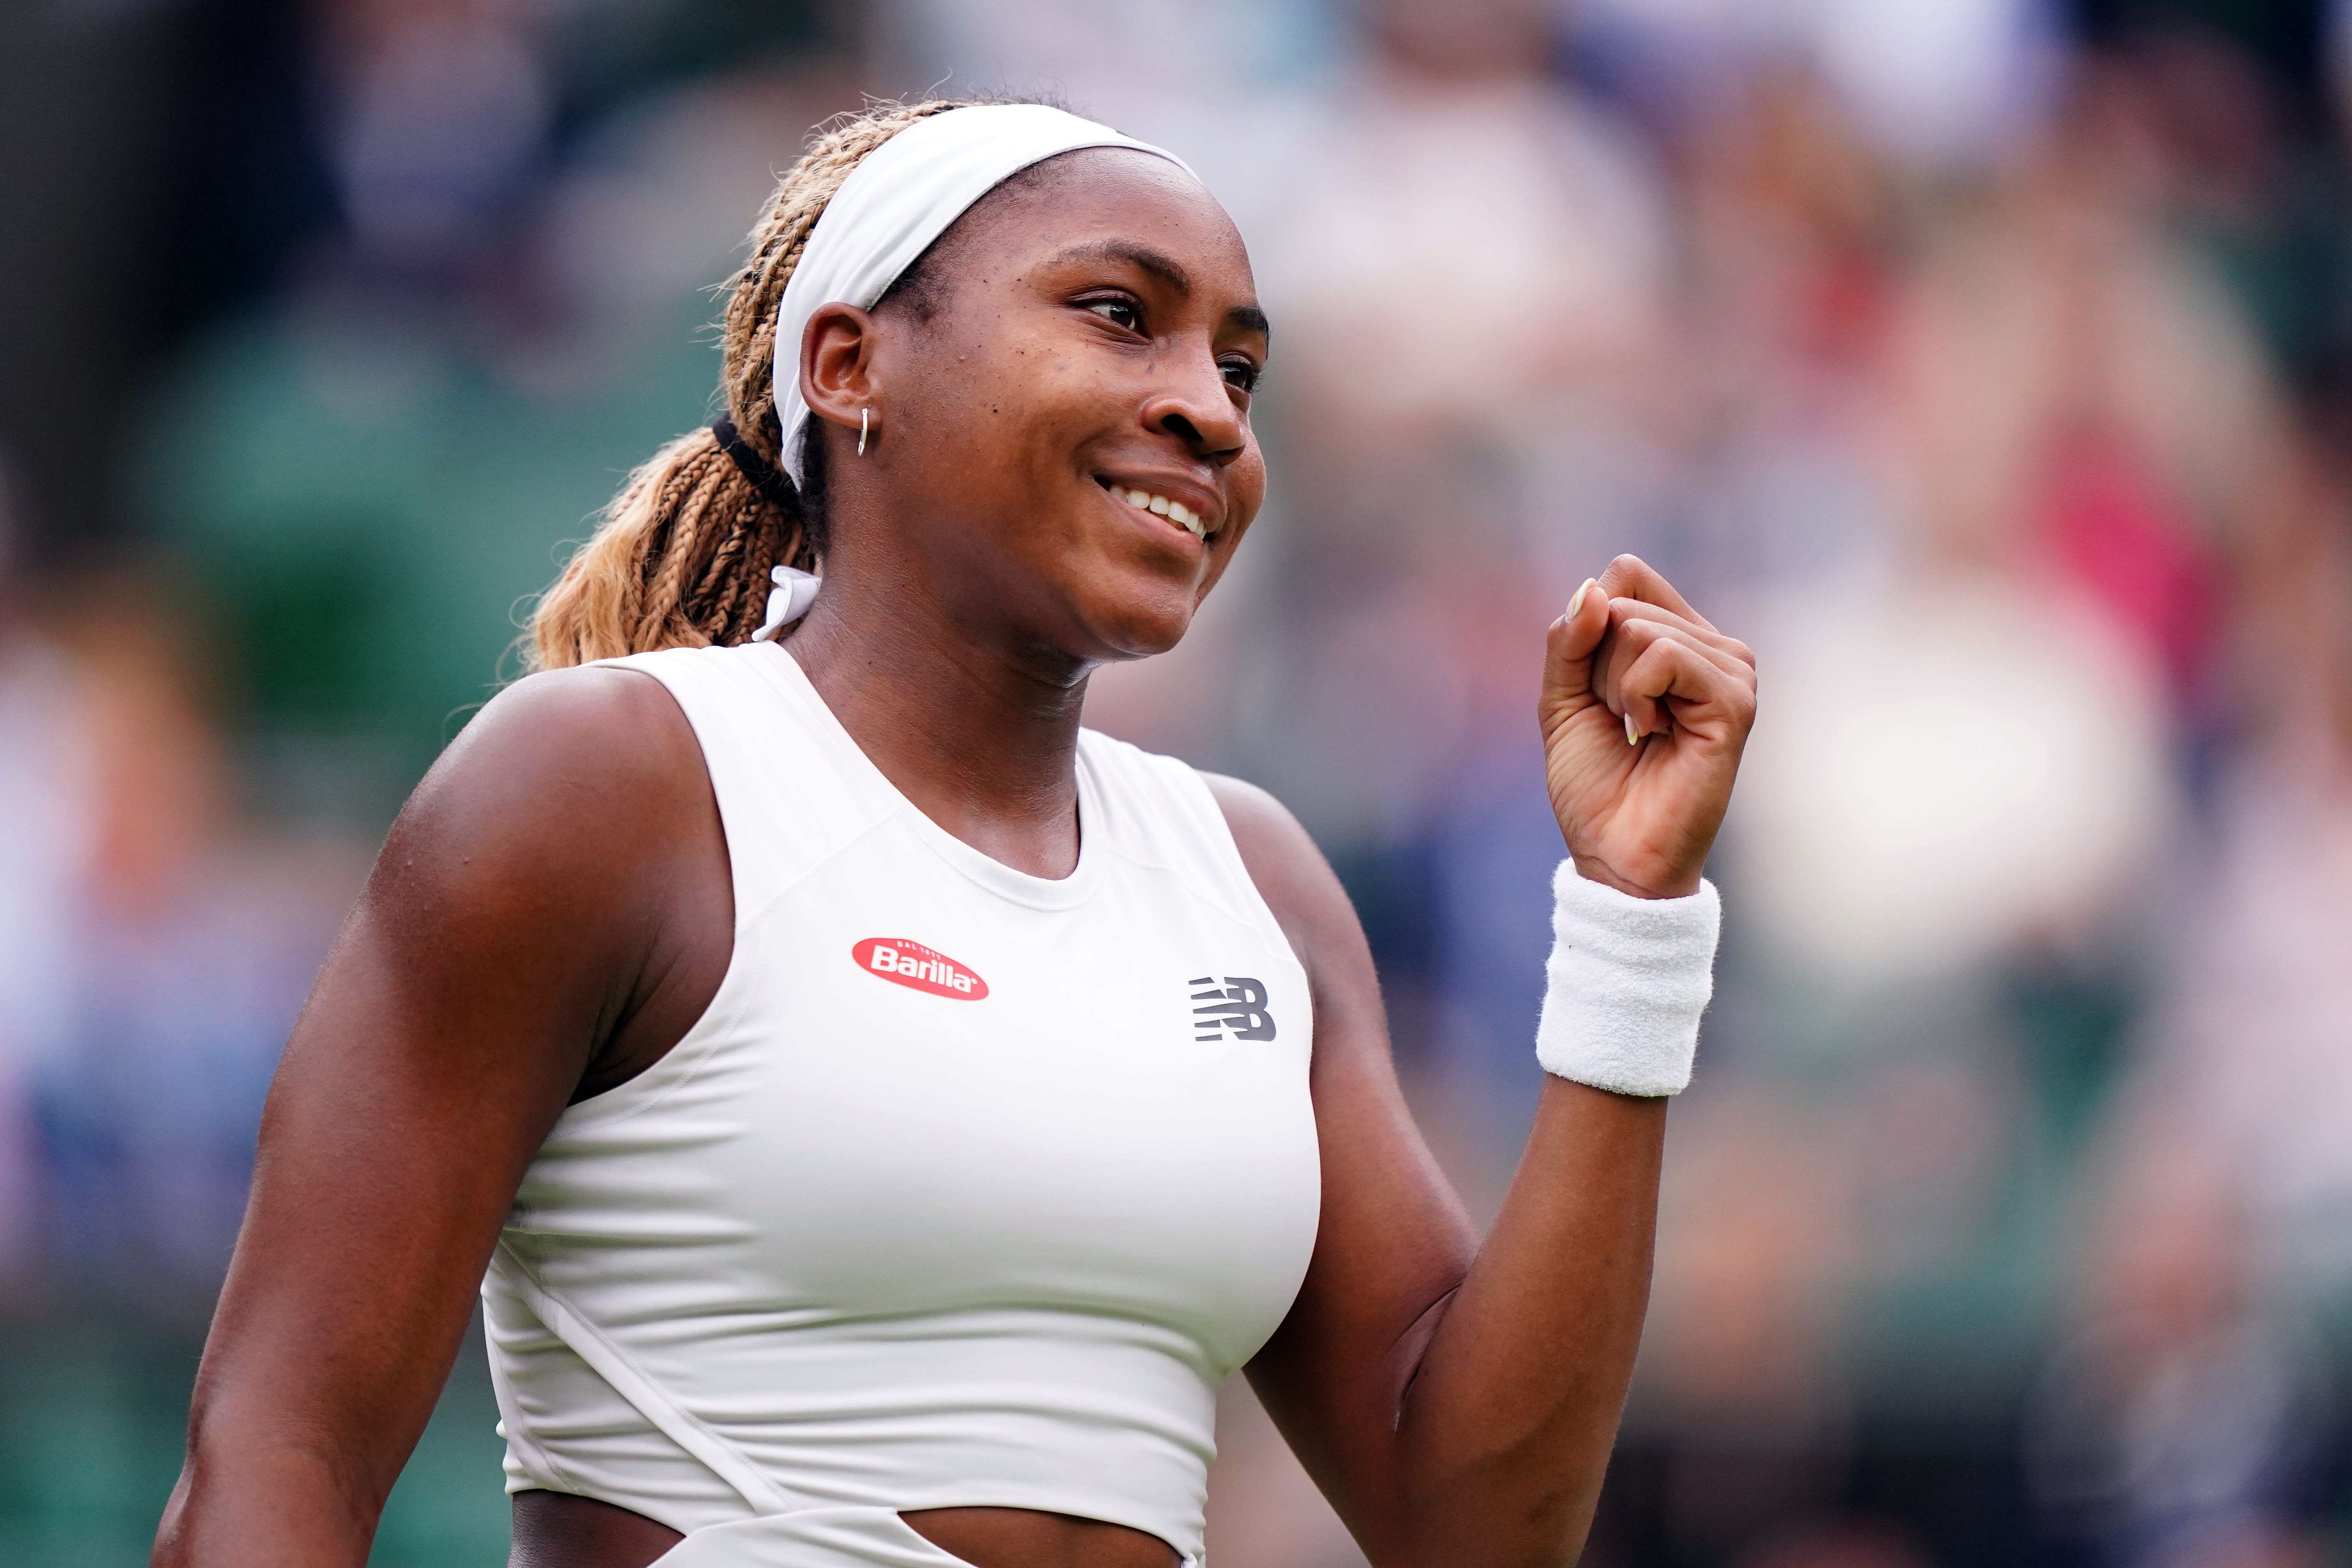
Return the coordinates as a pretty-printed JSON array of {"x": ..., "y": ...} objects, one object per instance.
[
  {"x": 522, "y": 915},
  {"x": 1393, "y": 1240}
]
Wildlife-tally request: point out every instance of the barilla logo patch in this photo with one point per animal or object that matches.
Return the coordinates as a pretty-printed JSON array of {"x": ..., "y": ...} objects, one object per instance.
[{"x": 921, "y": 968}]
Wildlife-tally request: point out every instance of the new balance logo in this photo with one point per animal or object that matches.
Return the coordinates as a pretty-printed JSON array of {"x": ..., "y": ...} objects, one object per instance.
[{"x": 1237, "y": 1008}]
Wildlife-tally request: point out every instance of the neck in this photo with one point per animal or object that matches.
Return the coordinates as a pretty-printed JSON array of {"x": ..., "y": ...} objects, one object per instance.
[{"x": 978, "y": 732}]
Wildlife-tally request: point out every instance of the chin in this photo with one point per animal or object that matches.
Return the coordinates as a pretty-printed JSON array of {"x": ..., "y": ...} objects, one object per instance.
[{"x": 1144, "y": 624}]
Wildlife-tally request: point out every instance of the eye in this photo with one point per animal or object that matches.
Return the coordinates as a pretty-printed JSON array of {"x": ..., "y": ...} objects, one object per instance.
[
  {"x": 1124, "y": 314},
  {"x": 1240, "y": 373}
]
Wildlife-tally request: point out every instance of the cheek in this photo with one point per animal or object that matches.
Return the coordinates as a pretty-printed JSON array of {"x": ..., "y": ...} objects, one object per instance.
[
  {"x": 1244, "y": 493},
  {"x": 1249, "y": 481},
  {"x": 972, "y": 396},
  {"x": 1016, "y": 392}
]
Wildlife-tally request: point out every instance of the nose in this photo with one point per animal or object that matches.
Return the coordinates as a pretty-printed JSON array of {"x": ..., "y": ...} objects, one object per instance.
[{"x": 1193, "y": 405}]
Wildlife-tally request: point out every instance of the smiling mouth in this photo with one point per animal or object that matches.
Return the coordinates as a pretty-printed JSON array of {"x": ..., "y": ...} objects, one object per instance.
[{"x": 1174, "y": 511}]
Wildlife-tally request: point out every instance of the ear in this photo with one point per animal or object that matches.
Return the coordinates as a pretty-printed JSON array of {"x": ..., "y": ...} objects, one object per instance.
[{"x": 837, "y": 353}]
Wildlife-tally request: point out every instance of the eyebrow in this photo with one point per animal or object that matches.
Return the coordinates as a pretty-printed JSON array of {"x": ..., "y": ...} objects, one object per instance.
[
  {"x": 1167, "y": 269},
  {"x": 1142, "y": 257}
]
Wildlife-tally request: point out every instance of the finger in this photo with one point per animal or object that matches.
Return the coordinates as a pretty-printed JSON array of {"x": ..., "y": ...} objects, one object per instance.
[
  {"x": 1634, "y": 626},
  {"x": 1622, "y": 611},
  {"x": 1630, "y": 642},
  {"x": 1675, "y": 685},
  {"x": 1574, "y": 638},
  {"x": 1630, "y": 645},
  {"x": 1630, "y": 577}
]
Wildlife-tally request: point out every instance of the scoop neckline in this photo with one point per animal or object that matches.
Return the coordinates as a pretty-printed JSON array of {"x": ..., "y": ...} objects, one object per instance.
[{"x": 978, "y": 866}]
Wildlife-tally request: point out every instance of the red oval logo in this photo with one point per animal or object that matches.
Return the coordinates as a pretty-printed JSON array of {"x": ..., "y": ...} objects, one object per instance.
[{"x": 912, "y": 964}]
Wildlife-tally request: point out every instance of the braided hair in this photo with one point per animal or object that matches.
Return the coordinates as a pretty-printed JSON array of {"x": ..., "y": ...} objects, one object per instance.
[{"x": 683, "y": 554}]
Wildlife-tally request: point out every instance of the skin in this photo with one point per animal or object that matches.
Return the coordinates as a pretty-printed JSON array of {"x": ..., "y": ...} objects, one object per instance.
[{"x": 552, "y": 913}]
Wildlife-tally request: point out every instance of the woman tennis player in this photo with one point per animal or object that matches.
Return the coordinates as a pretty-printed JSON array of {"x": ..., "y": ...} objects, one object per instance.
[{"x": 885, "y": 1109}]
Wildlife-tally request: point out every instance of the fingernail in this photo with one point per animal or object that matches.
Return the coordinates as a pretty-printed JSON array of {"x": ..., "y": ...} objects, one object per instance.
[
  {"x": 1577, "y": 602},
  {"x": 1632, "y": 736}
]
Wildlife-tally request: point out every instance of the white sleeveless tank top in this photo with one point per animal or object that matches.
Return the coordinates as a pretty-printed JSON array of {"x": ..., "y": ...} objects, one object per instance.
[{"x": 969, "y": 1189}]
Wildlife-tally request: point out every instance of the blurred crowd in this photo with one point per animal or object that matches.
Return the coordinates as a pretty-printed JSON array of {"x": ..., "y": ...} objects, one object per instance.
[{"x": 1985, "y": 365}]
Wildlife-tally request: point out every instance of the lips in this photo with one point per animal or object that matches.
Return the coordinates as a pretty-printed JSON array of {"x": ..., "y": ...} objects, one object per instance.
[{"x": 1175, "y": 511}]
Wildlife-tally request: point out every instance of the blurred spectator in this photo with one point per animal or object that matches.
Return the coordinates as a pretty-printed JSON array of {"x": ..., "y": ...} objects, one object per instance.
[
  {"x": 2246, "y": 1077},
  {"x": 1745, "y": 1378},
  {"x": 438, "y": 112},
  {"x": 45, "y": 835},
  {"x": 1467, "y": 273},
  {"x": 1939, "y": 83},
  {"x": 2184, "y": 1422},
  {"x": 191, "y": 948},
  {"x": 372, "y": 479},
  {"x": 1837, "y": 1543}
]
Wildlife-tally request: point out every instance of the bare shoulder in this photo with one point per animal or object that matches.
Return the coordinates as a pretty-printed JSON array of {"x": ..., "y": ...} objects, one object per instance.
[
  {"x": 1293, "y": 877},
  {"x": 570, "y": 774},
  {"x": 1281, "y": 856},
  {"x": 593, "y": 722},
  {"x": 1263, "y": 827}
]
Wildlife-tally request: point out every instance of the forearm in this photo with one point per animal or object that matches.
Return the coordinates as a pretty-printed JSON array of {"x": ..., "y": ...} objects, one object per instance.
[
  {"x": 1504, "y": 1435},
  {"x": 257, "y": 1501},
  {"x": 334, "y": 1336},
  {"x": 311, "y": 1395}
]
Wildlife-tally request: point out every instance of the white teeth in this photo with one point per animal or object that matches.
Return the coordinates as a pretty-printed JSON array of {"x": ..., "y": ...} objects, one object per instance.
[{"x": 1174, "y": 511}]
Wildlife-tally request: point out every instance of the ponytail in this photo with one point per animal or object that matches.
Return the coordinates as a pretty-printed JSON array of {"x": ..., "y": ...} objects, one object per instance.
[{"x": 683, "y": 554}]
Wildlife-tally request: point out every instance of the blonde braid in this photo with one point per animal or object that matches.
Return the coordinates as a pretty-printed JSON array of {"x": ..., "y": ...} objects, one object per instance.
[{"x": 683, "y": 554}]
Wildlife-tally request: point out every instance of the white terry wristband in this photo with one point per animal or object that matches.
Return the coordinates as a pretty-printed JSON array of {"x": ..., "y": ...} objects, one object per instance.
[{"x": 1628, "y": 978}]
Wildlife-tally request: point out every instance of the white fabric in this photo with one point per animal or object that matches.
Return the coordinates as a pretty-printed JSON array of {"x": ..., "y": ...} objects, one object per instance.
[
  {"x": 867, "y": 1238},
  {"x": 1627, "y": 981},
  {"x": 788, "y": 601},
  {"x": 811, "y": 1538},
  {"x": 903, "y": 195}
]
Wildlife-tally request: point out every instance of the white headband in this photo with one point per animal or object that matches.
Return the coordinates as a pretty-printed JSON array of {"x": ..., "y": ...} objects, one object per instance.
[{"x": 898, "y": 199}]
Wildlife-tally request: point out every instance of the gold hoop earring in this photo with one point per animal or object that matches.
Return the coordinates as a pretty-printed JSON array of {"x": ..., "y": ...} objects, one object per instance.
[{"x": 861, "y": 430}]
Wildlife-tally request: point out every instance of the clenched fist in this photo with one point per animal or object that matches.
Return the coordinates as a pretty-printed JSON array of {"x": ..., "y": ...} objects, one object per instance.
[{"x": 1645, "y": 709}]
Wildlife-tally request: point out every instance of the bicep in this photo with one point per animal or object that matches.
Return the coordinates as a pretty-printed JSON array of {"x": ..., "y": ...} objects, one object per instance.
[
  {"x": 1393, "y": 1241},
  {"x": 443, "y": 1037}
]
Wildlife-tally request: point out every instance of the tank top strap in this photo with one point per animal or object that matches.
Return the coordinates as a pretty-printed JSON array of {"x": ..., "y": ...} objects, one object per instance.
[{"x": 784, "y": 802}]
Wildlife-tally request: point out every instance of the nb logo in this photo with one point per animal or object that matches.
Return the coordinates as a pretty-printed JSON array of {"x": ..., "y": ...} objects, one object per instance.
[{"x": 1237, "y": 1008}]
